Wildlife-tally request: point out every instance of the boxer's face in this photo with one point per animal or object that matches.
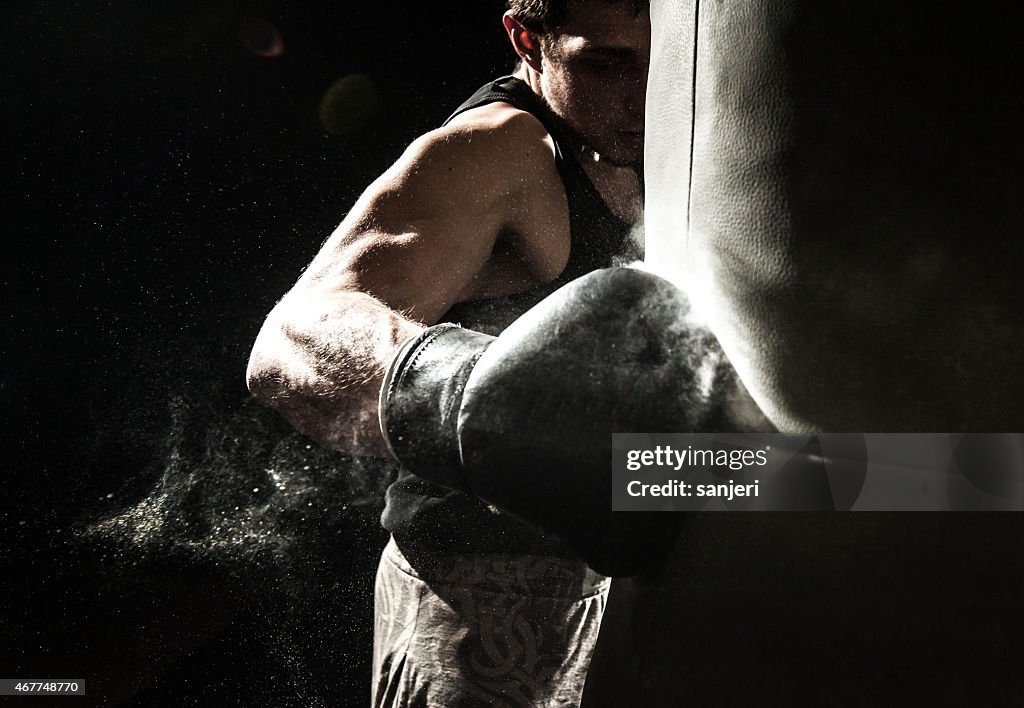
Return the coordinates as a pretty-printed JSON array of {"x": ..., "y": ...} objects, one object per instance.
[{"x": 595, "y": 76}]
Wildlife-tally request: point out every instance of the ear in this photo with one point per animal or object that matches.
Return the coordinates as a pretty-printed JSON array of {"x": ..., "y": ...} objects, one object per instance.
[{"x": 525, "y": 42}]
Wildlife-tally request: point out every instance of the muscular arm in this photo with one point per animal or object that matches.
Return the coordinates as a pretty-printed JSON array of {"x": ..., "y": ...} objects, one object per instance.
[{"x": 472, "y": 210}]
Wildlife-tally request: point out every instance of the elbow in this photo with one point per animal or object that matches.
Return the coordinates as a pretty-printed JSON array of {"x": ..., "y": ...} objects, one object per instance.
[
  {"x": 263, "y": 380},
  {"x": 263, "y": 375}
]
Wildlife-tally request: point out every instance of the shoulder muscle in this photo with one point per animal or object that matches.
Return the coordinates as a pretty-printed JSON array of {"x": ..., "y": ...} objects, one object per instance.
[{"x": 426, "y": 228}]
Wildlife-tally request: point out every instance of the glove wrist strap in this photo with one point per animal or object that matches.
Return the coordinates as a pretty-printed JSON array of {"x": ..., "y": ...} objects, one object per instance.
[{"x": 421, "y": 397}]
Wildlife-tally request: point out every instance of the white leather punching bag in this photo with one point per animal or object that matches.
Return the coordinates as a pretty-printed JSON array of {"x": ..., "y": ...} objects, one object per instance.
[{"x": 839, "y": 186}]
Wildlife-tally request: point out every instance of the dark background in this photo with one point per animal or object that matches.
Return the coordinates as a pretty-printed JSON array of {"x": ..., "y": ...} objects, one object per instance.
[{"x": 171, "y": 168}]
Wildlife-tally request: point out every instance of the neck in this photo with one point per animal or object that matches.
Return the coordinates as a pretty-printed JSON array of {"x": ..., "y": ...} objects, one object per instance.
[{"x": 531, "y": 77}]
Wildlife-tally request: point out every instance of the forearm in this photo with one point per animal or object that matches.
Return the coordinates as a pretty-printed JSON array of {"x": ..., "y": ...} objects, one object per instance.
[{"x": 320, "y": 359}]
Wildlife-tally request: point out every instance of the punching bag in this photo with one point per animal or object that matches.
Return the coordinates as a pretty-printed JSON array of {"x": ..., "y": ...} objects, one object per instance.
[{"x": 838, "y": 187}]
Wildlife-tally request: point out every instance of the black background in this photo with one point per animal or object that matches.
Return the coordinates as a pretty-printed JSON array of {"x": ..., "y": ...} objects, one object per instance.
[
  {"x": 169, "y": 540},
  {"x": 163, "y": 536}
]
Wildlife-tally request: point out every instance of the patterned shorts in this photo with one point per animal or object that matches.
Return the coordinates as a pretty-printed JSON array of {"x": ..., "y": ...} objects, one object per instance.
[{"x": 483, "y": 630}]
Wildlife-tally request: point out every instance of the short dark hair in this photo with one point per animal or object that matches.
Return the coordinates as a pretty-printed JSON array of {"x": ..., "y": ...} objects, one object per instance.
[
  {"x": 543, "y": 16},
  {"x": 539, "y": 16}
]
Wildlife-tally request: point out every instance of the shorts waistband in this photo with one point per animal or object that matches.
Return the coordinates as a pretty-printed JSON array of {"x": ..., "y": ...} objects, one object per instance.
[{"x": 548, "y": 576}]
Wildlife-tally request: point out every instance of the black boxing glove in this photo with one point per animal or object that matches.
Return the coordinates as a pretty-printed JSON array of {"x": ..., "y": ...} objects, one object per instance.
[{"x": 524, "y": 421}]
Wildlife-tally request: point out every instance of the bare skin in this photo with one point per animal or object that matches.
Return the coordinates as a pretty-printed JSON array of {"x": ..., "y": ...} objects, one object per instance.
[{"x": 473, "y": 210}]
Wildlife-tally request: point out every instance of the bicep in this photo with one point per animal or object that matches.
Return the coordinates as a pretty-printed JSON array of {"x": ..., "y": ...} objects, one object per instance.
[{"x": 419, "y": 235}]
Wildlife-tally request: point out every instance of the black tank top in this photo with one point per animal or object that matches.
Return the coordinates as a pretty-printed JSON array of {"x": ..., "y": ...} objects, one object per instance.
[{"x": 422, "y": 513}]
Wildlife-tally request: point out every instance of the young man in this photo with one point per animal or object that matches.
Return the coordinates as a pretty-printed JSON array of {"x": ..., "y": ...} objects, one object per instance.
[{"x": 532, "y": 183}]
